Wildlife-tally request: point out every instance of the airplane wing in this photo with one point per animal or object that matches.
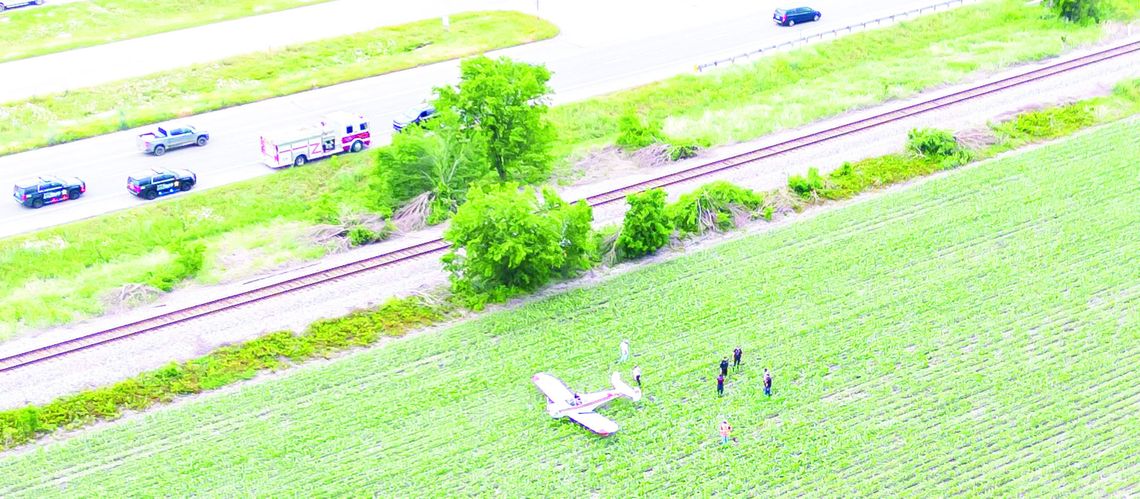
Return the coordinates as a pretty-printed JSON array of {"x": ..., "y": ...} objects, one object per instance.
[
  {"x": 594, "y": 422},
  {"x": 552, "y": 387}
]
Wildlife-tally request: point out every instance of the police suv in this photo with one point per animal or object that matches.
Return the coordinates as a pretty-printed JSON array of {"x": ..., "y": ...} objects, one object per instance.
[
  {"x": 155, "y": 182},
  {"x": 47, "y": 189}
]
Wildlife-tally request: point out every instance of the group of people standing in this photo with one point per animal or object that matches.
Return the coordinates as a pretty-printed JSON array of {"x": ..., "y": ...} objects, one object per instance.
[
  {"x": 737, "y": 354},
  {"x": 724, "y": 428}
]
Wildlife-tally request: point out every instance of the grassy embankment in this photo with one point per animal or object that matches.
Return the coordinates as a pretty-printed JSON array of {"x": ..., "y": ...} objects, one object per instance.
[
  {"x": 921, "y": 342},
  {"x": 905, "y": 58},
  {"x": 55, "y": 28},
  {"x": 86, "y": 112},
  {"x": 283, "y": 349}
]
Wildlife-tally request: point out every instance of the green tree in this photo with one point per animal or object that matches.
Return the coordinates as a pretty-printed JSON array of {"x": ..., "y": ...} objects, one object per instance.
[
  {"x": 503, "y": 241},
  {"x": 504, "y": 102},
  {"x": 646, "y": 227},
  {"x": 1080, "y": 11},
  {"x": 435, "y": 157}
]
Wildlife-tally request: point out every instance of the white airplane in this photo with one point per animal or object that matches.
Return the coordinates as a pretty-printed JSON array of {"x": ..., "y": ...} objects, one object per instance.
[{"x": 562, "y": 402}]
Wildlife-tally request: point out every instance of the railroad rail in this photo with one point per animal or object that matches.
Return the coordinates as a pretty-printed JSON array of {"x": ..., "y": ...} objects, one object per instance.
[{"x": 436, "y": 245}]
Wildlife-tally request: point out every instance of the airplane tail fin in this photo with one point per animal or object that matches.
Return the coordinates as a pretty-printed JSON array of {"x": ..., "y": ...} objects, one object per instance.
[{"x": 624, "y": 389}]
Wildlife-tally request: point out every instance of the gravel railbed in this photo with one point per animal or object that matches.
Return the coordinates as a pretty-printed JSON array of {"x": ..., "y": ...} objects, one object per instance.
[{"x": 104, "y": 365}]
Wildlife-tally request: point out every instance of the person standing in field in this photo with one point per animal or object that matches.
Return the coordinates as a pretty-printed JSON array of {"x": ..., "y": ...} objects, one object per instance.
[
  {"x": 724, "y": 367},
  {"x": 720, "y": 385},
  {"x": 725, "y": 429},
  {"x": 736, "y": 355},
  {"x": 624, "y": 351},
  {"x": 767, "y": 382},
  {"x": 637, "y": 375}
]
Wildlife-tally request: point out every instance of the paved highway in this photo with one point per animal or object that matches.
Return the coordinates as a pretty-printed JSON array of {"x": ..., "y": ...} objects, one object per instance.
[{"x": 591, "y": 57}]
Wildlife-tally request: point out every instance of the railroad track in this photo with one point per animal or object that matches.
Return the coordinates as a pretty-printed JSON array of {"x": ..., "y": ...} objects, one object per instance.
[{"x": 436, "y": 245}]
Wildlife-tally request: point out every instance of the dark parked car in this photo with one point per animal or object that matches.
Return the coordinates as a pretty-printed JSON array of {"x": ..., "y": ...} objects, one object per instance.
[
  {"x": 36, "y": 192},
  {"x": 414, "y": 116},
  {"x": 18, "y": 3},
  {"x": 155, "y": 182},
  {"x": 789, "y": 17}
]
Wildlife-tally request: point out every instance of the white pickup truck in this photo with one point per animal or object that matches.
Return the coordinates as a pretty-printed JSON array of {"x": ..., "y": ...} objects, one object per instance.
[{"x": 158, "y": 141}]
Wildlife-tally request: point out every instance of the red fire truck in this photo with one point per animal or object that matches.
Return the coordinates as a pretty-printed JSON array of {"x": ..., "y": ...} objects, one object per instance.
[{"x": 333, "y": 134}]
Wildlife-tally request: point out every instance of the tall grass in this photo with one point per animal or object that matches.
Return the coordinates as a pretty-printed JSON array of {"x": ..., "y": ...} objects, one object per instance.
[
  {"x": 55, "y": 28},
  {"x": 77, "y": 114}
]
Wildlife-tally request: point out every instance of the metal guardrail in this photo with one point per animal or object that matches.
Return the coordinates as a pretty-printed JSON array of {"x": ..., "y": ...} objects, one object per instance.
[{"x": 834, "y": 32}]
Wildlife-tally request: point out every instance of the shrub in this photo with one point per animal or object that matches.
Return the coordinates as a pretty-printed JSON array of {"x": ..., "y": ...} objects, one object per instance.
[
  {"x": 711, "y": 207},
  {"x": 361, "y": 235},
  {"x": 646, "y": 228},
  {"x": 504, "y": 242},
  {"x": 683, "y": 150},
  {"x": 1080, "y": 11},
  {"x": 804, "y": 187},
  {"x": 1047, "y": 123},
  {"x": 633, "y": 133},
  {"x": 937, "y": 145},
  {"x": 188, "y": 261}
]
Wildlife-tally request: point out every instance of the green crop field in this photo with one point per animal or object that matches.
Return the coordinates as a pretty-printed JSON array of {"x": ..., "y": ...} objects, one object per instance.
[{"x": 974, "y": 334}]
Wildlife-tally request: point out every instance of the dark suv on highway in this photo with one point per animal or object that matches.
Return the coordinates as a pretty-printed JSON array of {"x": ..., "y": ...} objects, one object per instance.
[
  {"x": 47, "y": 189},
  {"x": 789, "y": 17},
  {"x": 155, "y": 182}
]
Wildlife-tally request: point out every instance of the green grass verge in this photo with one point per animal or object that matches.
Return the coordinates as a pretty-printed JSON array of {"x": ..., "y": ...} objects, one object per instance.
[
  {"x": 222, "y": 367},
  {"x": 826, "y": 79},
  {"x": 972, "y": 335},
  {"x": 93, "y": 246},
  {"x": 55, "y": 28},
  {"x": 86, "y": 112},
  {"x": 231, "y": 364}
]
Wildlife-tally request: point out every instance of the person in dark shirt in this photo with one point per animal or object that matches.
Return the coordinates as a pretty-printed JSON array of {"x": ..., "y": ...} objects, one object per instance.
[
  {"x": 724, "y": 367},
  {"x": 720, "y": 385},
  {"x": 736, "y": 355},
  {"x": 767, "y": 382}
]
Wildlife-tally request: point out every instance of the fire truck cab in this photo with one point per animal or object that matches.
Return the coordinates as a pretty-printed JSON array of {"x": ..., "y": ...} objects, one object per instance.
[{"x": 334, "y": 133}]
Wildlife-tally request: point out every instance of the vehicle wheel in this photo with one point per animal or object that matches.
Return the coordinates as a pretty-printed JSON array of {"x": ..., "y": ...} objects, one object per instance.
[
  {"x": 300, "y": 161},
  {"x": 74, "y": 194},
  {"x": 202, "y": 141},
  {"x": 186, "y": 186},
  {"x": 38, "y": 202},
  {"x": 357, "y": 146},
  {"x": 159, "y": 150},
  {"x": 149, "y": 195},
  {"x": 791, "y": 22},
  {"x": 816, "y": 17}
]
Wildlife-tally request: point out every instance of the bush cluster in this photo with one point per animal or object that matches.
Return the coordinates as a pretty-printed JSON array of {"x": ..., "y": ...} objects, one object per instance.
[
  {"x": 1046, "y": 123},
  {"x": 635, "y": 133},
  {"x": 505, "y": 242},
  {"x": 222, "y": 367},
  {"x": 646, "y": 227},
  {"x": 937, "y": 145},
  {"x": 711, "y": 204},
  {"x": 188, "y": 261},
  {"x": 806, "y": 186}
]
